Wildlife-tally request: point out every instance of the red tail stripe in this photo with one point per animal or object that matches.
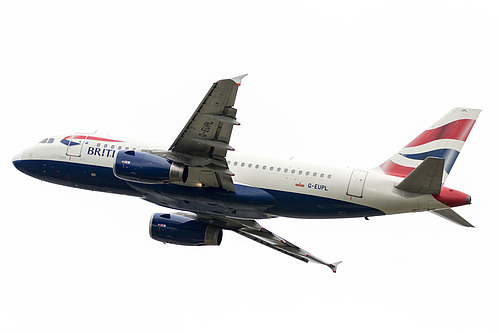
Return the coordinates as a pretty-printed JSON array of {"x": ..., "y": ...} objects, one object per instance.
[
  {"x": 456, "y": 130},
  {"x": 394, "y": 169}
]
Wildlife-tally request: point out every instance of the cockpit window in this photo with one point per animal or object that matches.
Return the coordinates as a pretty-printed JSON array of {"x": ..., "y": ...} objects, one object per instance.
[{"x": 47, "y": 140}]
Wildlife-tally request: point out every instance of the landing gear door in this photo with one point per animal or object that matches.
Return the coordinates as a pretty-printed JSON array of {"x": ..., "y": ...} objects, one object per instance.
[
  {"x": 356, "y": 184},
  {"x": 75, "y": 144}
]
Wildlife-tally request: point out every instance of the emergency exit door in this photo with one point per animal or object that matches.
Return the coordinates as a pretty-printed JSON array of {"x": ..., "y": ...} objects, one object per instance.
[{"x": 356, "y": 184}]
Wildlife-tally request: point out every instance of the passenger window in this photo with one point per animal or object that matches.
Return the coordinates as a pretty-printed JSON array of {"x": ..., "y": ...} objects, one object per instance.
[
  {"x": 243, "y": 164},
  {"x": 322, "y": 175},
  {"x": 119, "y": 147},
  {"x": 271, "y": 168},
  {"x": 98, "y": 144},
  {"x": 286, "y": 170},
  {"x": 264, "y": 167},
  {"x": 250, "y": 165},
  {"x": 235, "y": 163},
  {"x": 300, "y": 172},
  {"x": 315, "y": 174},
  {"x": 112, "y": 147},
  {"x": 278, "y": 169},
  {"x": 328, "y": 176},
  {"x": 293, "y": 171},
  {"x": 308, "y": 173},
  {"x": 257, "y": 166}
]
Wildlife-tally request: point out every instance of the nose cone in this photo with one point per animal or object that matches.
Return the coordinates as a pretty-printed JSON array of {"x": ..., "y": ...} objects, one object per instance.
[
  {"x": 17, "y": 157},
  {"x": 17, "y": 161}
]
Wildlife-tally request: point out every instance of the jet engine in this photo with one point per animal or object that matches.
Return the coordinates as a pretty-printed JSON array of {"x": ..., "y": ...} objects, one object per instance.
[
  {"x": 147, "y": 168},
  {"x": 183, "y": 230}
]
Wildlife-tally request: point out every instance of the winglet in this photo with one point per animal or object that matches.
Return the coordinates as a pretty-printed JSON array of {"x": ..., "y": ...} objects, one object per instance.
[
  {"x": 238, "y": 79},
  {"x": 334, "y": 266}
]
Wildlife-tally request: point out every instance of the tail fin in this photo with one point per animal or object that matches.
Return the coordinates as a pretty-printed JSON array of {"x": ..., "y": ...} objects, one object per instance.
[{"x": 444, "y": 140}]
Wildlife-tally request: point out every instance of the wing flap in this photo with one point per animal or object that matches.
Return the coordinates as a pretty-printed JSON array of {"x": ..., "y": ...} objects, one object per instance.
[{"x": 214, "y": 143}]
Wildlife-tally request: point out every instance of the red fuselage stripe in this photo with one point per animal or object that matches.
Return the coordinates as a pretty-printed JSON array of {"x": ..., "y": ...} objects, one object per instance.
[{"x": 84, "y": 137}]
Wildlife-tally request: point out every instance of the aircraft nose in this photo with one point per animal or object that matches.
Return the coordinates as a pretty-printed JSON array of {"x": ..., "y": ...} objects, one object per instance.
[
  {"x": 17, "y": 157},
  {"x": 17, "y": 160}
]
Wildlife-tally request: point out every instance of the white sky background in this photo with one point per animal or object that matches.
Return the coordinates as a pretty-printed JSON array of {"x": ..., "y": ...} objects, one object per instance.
[{"x": 338, "y": 82}]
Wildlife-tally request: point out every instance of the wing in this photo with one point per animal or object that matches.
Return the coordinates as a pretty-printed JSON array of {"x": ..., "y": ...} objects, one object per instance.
[
  {"x": 254, "y": 231},
  {"x": 203, "y": 143}
]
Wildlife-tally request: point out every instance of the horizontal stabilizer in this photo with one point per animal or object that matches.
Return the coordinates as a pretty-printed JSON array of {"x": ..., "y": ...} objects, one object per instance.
[
  {"x": 426, "y": 178},
  {"x": 334, "y": 266},
  {"x": 452, "y": 216}
]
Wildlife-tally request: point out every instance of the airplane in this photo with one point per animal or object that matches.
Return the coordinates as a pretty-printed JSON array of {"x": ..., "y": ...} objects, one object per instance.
[{"x": 212, "y": 188}]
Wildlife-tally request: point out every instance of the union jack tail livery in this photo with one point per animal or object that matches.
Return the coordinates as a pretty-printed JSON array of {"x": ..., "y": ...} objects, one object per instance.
[{"x": 443, "y": 140}]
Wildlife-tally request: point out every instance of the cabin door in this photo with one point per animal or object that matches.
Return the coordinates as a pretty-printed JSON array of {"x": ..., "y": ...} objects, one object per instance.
[
  {"x": 356, "y": 184},
  {"x": 75, "y": 144}
]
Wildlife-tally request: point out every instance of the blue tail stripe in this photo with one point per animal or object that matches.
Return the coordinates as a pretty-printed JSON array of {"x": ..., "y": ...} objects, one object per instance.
[{"x": 450, "y": 156}]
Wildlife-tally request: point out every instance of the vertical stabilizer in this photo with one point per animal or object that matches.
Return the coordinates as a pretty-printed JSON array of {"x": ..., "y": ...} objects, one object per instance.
[{"x": 443, "y": 140}]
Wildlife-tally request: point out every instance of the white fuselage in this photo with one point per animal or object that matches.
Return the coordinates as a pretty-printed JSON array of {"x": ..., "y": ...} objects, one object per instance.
[{"x": 281, "y": 178}]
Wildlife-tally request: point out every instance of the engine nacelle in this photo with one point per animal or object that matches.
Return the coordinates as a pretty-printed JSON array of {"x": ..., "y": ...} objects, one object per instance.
[
  {"x": 147, "y": 168},
  {"x": 182, "y": 230}
]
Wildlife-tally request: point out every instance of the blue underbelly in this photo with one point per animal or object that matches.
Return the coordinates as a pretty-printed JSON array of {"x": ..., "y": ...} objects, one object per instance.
[
  {"x": 307, "y": 206},
  {"x": 84, "y": 176},
  {"x": 247, "y": 202}
]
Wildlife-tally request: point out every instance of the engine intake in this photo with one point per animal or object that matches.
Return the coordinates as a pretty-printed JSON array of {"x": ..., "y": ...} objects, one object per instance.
[
  {"x": 182, "y": 230},
  {"x": 147, "y": 168}
]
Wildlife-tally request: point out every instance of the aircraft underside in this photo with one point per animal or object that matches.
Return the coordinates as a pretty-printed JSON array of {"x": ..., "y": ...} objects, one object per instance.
[{"x": 246, "y": 202}]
